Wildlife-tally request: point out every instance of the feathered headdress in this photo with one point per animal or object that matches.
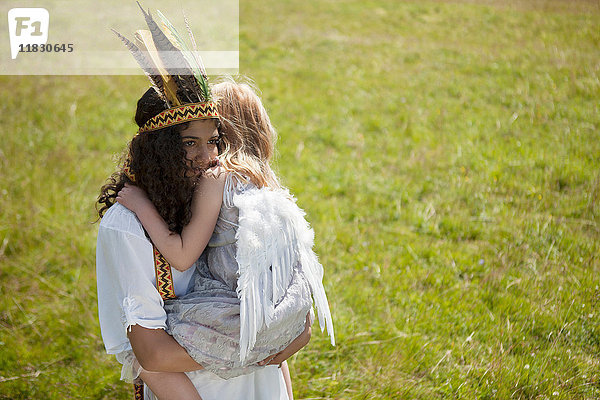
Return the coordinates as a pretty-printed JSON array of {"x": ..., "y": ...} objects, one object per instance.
[{"x": 176, "y": 73}]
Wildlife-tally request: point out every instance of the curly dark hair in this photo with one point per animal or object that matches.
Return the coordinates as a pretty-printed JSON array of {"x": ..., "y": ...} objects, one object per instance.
[{"x": 160, "y": 167}]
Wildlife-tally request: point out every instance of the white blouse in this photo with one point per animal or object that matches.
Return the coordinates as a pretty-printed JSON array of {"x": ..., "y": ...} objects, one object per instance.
[
  {"x": 127, "y": 292},
  {"x": 127, "y": 296}
]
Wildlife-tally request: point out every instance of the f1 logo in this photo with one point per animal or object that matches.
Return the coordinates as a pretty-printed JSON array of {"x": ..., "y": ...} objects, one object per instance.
[{"x": 27, "y": 26}]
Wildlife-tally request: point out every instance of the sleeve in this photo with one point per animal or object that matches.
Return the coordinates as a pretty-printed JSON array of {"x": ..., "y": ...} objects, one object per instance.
[
  {"x": 126, "y": 292},
  {"x": 131, "y": 369}
]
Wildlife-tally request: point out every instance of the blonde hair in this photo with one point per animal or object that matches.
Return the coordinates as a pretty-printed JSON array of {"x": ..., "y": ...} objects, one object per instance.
[{"x": 248, "y": 135}]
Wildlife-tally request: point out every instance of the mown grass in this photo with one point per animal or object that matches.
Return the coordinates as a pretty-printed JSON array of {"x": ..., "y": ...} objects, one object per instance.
[{"x": 447, "y": 155}]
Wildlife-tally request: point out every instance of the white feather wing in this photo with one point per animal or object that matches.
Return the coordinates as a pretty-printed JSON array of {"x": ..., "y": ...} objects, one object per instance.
[{"x": 273, "y": 237}]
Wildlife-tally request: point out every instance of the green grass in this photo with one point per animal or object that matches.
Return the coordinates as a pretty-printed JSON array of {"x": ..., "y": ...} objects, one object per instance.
[{"x": 447, "y": 155}]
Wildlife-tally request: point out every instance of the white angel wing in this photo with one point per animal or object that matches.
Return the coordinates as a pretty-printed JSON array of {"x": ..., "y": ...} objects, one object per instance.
[
  {"x": 312, "y": 268},
  {"x": 265, "y": 261},
  {"x": 273, "y": 237}
]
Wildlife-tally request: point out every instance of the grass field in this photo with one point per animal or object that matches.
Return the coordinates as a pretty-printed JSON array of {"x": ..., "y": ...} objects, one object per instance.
[{"x": 447, "y": 154}]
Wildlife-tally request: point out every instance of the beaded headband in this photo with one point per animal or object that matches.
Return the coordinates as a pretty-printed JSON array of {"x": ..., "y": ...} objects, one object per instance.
[{"x": 178, "y": 115}]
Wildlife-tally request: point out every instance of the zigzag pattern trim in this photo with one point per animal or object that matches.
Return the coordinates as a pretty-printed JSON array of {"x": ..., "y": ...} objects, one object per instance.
[
  {"x": 164, "y": 279},
  {"x": 138, "y": 391},
  {"x": 127, "y": 168},
  {"x": 164, "y": 284},
  {"x": 181, "y": 114}
]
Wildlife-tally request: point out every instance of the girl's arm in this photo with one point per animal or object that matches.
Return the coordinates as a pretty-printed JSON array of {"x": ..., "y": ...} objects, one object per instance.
[
  {"x": 181, "y": 251},
  {"x": 293, "y": 348}
]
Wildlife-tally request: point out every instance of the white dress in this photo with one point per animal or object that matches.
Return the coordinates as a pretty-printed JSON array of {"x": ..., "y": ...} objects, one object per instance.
[{"x": 127, "y": 296}]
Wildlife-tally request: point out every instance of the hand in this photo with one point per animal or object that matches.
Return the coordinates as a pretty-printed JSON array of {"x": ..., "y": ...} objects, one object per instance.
[
  {"x": 292, "y": 349},
  {"x": 133, "y": 197},
  {"x": 214, "y": 170}
]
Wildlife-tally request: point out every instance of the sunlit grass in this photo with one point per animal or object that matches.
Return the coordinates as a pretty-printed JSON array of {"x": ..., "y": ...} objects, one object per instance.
[{"x": 447, "y": 155}]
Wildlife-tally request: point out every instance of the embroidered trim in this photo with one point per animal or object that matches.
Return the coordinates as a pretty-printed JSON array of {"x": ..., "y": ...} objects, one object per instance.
[
  {"x": 127, "y": 168},
  {"x": 164, "y": 279},
  {"x": 164, "y": 285},
  {"x": 181, "y": 114},
  {"x": 138, "y": 391}
]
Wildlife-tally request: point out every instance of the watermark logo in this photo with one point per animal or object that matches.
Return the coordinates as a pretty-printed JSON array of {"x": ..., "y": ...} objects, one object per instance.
[
  {"x": 27, "y": 27},
  {"x": 85, "y": 46}
]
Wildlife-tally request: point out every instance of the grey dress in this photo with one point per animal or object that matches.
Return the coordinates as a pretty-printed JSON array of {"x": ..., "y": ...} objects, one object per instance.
[{"x": 206, "y": 322}]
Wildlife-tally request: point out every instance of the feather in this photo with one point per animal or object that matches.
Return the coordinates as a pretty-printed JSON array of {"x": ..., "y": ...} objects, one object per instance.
[
  {"x": 146, "y": 64},
  {"x": 189, "y": 31},
  {"x": 198, "y": 59},
  {"x": 175, "y": 72},
  {"x": 144, "y": 41},
  {"x": 171, "y": 55},
  {"x": 174, "y": 62},
  {"x": 314, "y": 274},
  {"x": 193, "y": 61},
  {"x": 171, "y": 33}
]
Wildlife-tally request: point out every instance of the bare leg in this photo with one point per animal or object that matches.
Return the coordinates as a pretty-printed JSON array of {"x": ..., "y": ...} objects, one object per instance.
[
  {"x": 170, "y": 385},
  {"x": 288, "y": 380}
]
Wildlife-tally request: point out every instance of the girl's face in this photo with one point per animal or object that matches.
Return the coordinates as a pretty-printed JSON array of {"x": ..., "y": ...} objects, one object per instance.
[{"x": 200, "y": 140}]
